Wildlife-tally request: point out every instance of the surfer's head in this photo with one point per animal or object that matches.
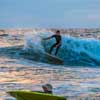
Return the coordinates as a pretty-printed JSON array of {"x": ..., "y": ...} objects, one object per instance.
[
  {"x": 47, "y": 88},
  {"x": 57, "y": 31}
]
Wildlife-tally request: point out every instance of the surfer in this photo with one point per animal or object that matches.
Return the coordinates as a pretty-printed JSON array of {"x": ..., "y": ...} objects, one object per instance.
[
  {"x": 57, "y": 36},
  {"x": 47, "y": 88}
]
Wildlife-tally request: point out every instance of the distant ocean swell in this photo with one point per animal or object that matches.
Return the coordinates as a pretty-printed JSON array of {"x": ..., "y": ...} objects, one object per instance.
[{"x": 74, "y": 51}]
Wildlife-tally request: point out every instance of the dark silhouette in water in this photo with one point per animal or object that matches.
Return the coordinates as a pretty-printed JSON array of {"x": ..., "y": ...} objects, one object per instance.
[{"x": 57, "y": 36}]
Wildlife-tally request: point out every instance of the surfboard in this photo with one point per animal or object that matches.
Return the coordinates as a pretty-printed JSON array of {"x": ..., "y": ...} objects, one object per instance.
[
  {"x": 53, "y": 59},
  {"x": 29, "y": 95}
]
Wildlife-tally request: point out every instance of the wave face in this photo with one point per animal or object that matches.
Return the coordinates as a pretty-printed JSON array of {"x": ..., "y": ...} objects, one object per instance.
[{"x": 74, "y": 51}]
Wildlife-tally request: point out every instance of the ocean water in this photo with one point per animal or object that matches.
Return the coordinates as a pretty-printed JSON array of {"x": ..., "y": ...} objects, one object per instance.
[{"x": 23, "y": 65}]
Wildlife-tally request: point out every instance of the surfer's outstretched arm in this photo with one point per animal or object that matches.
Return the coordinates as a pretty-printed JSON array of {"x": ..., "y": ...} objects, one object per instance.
[{"x": 48, "y": 38}]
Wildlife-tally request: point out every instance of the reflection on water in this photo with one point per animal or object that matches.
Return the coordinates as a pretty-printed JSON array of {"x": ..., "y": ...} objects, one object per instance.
[
  {"x": 23, "y": 74},
  {"x": 66, "y": 81}
]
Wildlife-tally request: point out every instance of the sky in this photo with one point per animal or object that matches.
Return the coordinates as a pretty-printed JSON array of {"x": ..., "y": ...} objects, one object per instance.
[{"x": 49, "y": 13}]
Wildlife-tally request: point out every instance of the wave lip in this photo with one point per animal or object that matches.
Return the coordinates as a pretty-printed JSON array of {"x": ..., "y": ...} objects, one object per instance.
[{"x": 74, "y": 51}]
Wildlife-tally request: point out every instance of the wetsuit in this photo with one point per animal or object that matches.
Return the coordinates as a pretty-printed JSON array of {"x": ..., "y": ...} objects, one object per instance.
[{"x": 58, "y": 43}]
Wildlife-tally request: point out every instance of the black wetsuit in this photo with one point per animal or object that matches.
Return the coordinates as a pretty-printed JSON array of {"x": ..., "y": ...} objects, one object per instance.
[{"x": 58, "y": 42}]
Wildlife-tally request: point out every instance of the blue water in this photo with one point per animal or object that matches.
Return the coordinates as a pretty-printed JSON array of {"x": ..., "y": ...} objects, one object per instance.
[
  {"x": 23, "y": 65},
  {"x": 75, "y": 51}
]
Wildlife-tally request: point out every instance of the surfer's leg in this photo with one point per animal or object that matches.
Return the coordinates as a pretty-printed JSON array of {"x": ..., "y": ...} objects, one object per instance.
[
  {"x": 57, "y": 49},
  {"x": 52, "y": 48}
]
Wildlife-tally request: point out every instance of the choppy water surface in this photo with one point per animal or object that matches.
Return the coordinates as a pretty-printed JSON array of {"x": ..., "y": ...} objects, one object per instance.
[{"x": 75, "y": 82}]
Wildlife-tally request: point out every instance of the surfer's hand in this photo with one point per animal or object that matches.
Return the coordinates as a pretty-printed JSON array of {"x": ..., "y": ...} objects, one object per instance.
[
  {"x": 43, "y": 39},
  {"x": 57, "y": 45}
]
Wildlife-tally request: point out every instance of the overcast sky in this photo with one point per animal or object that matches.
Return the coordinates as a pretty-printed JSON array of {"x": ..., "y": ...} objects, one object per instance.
[{"x": 49, "y": 13}]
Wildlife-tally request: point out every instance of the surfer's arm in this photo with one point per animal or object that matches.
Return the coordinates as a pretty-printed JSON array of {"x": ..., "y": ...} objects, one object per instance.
[
  {"x": 48, "y": 37},
  {"x": 58, "y": 44}
]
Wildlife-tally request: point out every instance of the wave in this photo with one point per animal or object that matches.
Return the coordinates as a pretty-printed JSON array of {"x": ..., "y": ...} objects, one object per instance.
[{"x": 74, "y": 51}]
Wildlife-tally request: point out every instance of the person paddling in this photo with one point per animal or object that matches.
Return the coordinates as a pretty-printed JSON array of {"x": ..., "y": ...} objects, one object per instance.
[
  {"x": 47, "y": 88},
  {"x": 56, "y": 45}
]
